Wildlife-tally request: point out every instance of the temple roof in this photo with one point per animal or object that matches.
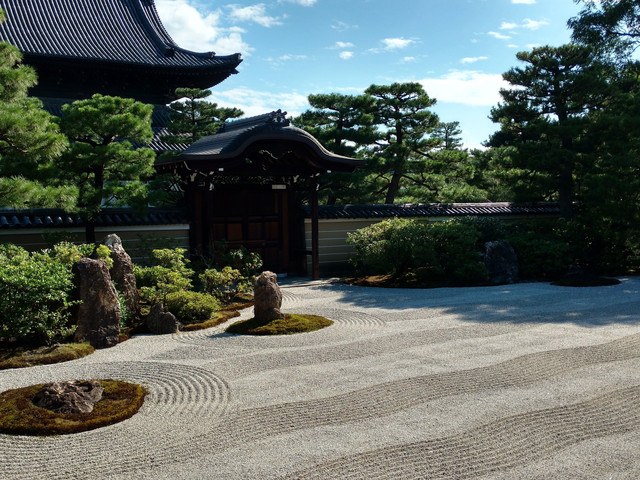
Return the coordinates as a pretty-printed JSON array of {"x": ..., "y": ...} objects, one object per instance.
[
  {"x": 261, "y": 145},
  {"x": 109, "y": 33}
]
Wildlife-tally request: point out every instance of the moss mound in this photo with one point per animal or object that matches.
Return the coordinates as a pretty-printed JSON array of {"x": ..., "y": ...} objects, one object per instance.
[
  {"x": 19, "y": 416},
  {"x": 20, "y": 358},
  {"x": 287, "y": 326},
  {"x": 221, "y": 317}
]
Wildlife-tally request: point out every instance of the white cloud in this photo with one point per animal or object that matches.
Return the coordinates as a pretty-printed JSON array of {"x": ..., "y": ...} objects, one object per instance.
[
  {"x": 342, "y": 45},
  {"x": 253, "y": 102},
  {"x": 289, "y": 57},
  {"x": 199, "y": 32},
  {"x": 346, "y": 55},
  {"x": 472, "y": 59},
  {"x": 467, "y": 87},
  {"x": 396, "y": 43},
  {"x": 343, "y": 27},
  {"x": 253, "y": 13},
  {"x": 533, "y": 24},
  {"x": 508, "y": 26},
  {"x": 499, "y": 36},
  {"x": 408, "y": 60},
  {"x": 304, "y": 3}
]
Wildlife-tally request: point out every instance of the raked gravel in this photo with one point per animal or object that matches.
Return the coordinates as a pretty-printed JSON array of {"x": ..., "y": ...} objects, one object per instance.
[{"x": 526, "y": 381}]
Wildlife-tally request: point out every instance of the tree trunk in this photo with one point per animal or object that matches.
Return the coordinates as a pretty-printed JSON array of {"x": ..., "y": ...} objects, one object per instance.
[
  {"x": 393, "y": 189},
  {"x": 90, "y": 231},
  {"x": 565, "y": 190}
]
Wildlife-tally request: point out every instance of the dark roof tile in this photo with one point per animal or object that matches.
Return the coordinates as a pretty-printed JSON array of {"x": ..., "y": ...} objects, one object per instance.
[
  {"x": 434, "y": 210},
  {"x": 48, "y": 218},
  {"x": 124, "y": 31}
]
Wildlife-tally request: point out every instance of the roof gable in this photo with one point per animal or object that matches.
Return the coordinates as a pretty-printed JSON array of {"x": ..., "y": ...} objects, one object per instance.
[
  {"x": 262, "y": 145},
  {"x": 127, "y": 31},
  {"x": 107, "y": 46}
]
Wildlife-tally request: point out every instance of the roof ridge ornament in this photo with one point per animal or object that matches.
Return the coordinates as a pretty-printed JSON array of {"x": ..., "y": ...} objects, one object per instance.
[{"x": 280, "y": 117}]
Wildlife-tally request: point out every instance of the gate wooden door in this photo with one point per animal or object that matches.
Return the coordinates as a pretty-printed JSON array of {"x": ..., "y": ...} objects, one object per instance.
[{"x": 256, "y": 217}]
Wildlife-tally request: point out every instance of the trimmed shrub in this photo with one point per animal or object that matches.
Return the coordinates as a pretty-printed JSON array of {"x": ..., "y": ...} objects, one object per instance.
[
  {"x": 457, "y": 247},
  {"x": 442, "y": 251},
  {"x": 541, "y": 257},
  {"x": 168, "y": 274},
  {"x": 191, "y": 307},
  {"x": 392, "y": 247},
  {"x": 246, "y": 262},
  {"x": 35, "y": 295},
  {"x": 223, "y": 284}
]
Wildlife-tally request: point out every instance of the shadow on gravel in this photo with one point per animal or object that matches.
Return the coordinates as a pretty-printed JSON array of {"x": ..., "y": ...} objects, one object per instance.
[{"x": 518, "y": 303}]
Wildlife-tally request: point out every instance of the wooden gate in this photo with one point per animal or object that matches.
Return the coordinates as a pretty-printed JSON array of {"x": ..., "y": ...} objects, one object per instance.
[{"x": 259, "y": 217}]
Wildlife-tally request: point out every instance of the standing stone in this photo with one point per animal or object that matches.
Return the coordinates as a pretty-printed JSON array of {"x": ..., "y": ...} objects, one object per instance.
[
  {"x": 267, "y": 298},
  {"x": 501, "y": 262},
  {"x": 160, "y": 322},
  {"x": 98, "y": 315},
  {"x": 76, "y": 396},
  {"x": 122, "y": 274}
]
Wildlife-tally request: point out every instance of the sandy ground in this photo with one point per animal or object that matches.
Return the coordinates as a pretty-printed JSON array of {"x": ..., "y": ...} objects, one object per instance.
[{"x": 528, "y": 381}]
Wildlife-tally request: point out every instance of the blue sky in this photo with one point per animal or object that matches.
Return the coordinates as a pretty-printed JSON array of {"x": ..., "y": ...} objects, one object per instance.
[{"x": 458, "y": 49}]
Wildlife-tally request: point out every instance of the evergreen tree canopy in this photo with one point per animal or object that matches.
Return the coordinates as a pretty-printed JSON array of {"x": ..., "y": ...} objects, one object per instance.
[
  {"x": 344, "y": 125},
  {"x": 29, "y": 138},
  {"x": 193, "y": 117},
  {"x": 611, "y": 26},
  {"x": 102, "y": 161},
  {"x": 545, "y": 118},
  {"x": 402, "y": 113}
]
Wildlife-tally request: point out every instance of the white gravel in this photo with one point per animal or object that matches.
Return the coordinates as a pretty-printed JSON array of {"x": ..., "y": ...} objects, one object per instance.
[{"x": 520, "y": 381}]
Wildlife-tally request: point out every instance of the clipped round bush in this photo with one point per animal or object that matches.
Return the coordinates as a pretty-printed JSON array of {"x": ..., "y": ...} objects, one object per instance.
[
  {"x": 19, "y": 416},
  {"x": 191, "y": 307}
]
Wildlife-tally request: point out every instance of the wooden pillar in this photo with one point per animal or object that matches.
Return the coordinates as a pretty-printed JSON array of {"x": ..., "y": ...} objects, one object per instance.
[{"x": 315, "y": 235}]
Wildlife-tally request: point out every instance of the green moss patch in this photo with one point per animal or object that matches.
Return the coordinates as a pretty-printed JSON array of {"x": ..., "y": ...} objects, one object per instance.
[
  {"x": 19, "y": 416},
  {"x": 287, "y": 326},
  {"x": 19, "y": 358},
  {"x": 221, "y": 317}
]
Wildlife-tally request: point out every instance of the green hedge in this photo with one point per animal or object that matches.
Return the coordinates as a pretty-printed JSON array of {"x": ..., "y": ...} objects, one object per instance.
[{"x": 35, "y": 294}]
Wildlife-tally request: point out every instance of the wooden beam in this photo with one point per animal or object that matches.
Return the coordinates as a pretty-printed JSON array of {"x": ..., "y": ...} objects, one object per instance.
[{"x": 315, "y": 238}]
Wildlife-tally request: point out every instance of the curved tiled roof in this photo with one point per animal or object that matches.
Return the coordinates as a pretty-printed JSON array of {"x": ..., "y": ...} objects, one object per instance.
[
  {"x": 435, "y": 210},
  {"x": 239, "y": 139},
  {"x": 123, "y": 31},
  {"x": 55, "y": 218}
]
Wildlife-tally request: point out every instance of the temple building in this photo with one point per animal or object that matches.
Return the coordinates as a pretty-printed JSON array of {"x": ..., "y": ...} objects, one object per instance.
[
  {"x": 245, "y": 185},
  {"x": 253, "y": 184}
]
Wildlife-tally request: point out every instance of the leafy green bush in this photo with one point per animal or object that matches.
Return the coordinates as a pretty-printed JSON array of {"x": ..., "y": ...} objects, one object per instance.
[
  {"x": 224, "y": 284},
  {"x": 35, "y": 295},
  {"x": 191, "y": 307},
  {"x": 246, "y": 262},
  {"x": 490, "y": 229},
  {"x": 541, "y": 257},
  {"x": 440, "y": 251},
  {"x": 458, "y": 250},
  {"x": 392, "y": 247},
  {"x": 168, "y": 274}
]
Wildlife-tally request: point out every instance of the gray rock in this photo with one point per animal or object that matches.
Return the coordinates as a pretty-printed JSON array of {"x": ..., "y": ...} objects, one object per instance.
[
  {"x": 501, "y": 262},
  {"x": 267, "y": 297},
  {"x": 122, "y": 274},
  {"x": 98, "y": 316},
  {"x": 160, "y": 322},
  {"x": 75, "y": 396}
]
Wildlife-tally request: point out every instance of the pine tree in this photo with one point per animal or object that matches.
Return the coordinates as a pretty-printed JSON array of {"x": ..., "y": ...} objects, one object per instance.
[
  {"x": 102, "y": 160},
  {"x": 29, "y": 138}
]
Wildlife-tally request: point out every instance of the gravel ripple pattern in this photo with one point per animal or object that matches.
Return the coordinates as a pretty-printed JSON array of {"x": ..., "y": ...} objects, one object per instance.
[{"x": 520, "y": 381}]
